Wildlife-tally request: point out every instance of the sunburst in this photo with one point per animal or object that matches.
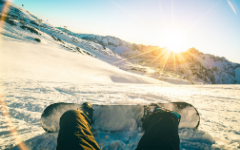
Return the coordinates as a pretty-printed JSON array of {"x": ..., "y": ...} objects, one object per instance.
[{"x": 174, "y": 41}]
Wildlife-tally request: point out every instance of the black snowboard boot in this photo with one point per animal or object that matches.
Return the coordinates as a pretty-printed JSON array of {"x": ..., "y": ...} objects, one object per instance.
[
  {"x": 161, "y": 129},
  {"x": 88, "y": 111},
  {"x": 153, "y": 109}
]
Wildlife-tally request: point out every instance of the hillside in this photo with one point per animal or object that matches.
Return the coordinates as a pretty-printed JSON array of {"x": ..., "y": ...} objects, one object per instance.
[
  {"x": 45, "y": 56},
  {"x": 191, "y": 65},
  {"x": 24, "y": 26}
]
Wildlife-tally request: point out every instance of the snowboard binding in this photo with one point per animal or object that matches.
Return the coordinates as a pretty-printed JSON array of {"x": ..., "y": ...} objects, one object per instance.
[{"x": 88, "y": 111}]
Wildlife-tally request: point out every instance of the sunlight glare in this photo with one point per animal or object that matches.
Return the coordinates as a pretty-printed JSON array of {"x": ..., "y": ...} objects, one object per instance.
[{"x": 174, "y": 42}]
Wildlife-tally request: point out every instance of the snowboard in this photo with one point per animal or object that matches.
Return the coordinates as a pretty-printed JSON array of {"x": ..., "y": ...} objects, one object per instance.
[{"x": 116, "y": 118}]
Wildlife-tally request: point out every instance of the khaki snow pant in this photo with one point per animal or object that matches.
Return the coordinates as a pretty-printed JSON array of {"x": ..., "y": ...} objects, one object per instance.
[
  {"x": 75, "y": 132},
  {"x": 161, "y": 133}
]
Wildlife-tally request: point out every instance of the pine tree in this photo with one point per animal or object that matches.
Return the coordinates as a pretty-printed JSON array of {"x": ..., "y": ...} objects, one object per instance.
[{"x": 39, "y": 23}]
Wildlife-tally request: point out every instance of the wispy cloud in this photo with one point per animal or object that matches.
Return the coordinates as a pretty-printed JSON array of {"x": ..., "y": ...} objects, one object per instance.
[{"x": 232, "y": 7}]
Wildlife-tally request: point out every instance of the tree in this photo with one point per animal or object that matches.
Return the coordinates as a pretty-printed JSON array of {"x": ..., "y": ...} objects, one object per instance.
[
  {"x": 21, "y": 19},
  {"x": 72, "y": 41},
  {"x": 65, "y": 29},
  {"x": 39, "y": 22}
]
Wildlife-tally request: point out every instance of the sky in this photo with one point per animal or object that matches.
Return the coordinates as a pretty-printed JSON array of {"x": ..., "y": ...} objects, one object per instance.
[{"x": 211, "y": 26}]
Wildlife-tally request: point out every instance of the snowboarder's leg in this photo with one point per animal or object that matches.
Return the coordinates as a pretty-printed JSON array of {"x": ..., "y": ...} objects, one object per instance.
[
  {"x": 75, "y": 132},
  {"x": 161, "y": 132}
]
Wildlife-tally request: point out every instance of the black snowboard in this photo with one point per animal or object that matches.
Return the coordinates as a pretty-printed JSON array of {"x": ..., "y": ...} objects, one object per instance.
[{"x": 116, "y": 118}]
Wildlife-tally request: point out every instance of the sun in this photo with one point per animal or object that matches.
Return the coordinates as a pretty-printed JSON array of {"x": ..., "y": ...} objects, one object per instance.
[{"x": 174, "y": 42}]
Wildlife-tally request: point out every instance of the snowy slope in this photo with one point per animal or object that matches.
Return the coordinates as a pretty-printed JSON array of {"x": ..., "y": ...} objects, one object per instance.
[
  {"x": 26, "y": 29},
  {"x": 38, "y": 70},
  {"x": 191, "y": 65},
  {"x": 133, "y": 58},
  {"x": 48, "y": 62},
  {"x": 23, "y": 25}
]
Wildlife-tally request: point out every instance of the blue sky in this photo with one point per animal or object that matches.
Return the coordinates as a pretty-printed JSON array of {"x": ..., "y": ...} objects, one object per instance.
[{"x": 211, "y": 26}]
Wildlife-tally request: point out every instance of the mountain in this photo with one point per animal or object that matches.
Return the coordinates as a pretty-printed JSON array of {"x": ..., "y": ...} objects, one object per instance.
[
  {"x": 34, "y": 50},
  {"x": 23, "y": 26},
  {"x": 191, "y": 65}
]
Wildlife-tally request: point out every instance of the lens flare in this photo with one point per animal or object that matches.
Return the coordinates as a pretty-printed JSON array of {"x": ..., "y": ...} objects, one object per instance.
[{"x": 4, "y": 109}]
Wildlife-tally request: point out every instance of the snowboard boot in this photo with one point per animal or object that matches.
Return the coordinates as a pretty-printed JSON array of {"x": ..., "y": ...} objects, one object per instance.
[
  {"x": 154, "y": 109},
  {"x": 161, "y": 129},
  {"x": 88, "y": 111}
]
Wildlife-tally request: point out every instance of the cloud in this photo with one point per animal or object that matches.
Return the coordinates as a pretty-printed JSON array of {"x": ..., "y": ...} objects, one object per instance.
[{"x": 232, "y": 7}]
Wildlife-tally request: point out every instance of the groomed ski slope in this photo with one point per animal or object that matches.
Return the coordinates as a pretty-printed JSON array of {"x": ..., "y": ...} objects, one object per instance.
[{"x": 35, "y": 75}]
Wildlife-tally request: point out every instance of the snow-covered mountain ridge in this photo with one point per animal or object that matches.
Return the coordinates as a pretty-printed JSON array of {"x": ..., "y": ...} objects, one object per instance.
[
  {"x": 191, "y": 64},
  {"x": 30, "y": 36},
  {"x": 24, "y": 26}
]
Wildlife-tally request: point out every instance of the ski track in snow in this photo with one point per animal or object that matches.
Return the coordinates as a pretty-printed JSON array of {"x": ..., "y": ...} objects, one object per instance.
[{"x": 219, "y": 127}]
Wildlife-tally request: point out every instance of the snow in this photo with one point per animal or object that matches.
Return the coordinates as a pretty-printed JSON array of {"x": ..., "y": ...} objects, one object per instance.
[
  {"x": 219, "y": 120},
  {"x": 35, "y": 75},
  {"x": 47, "y": 62},
  {"x": 121, "y": 49}
]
